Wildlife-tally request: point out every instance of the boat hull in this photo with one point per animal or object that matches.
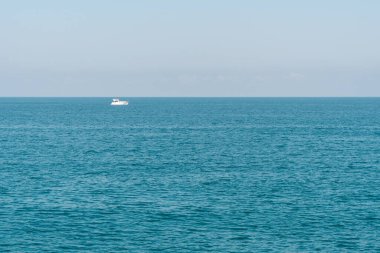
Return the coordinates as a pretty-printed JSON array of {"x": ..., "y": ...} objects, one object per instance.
[{"x": 120, "y": 103}]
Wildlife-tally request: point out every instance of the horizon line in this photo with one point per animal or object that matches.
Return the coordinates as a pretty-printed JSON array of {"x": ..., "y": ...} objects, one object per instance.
[{"x": 190, "y": 96}]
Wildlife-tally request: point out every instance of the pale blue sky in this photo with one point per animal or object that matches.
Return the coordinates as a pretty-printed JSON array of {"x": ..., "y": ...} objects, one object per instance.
[{"x": 190, "y": 48}]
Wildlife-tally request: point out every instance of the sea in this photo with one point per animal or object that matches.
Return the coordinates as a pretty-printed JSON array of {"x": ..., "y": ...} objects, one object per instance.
[{"x": 190, "y": 175}]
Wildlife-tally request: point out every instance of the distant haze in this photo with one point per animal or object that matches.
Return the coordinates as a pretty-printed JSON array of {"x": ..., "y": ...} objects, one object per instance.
[{"x": 190, "y": 48}]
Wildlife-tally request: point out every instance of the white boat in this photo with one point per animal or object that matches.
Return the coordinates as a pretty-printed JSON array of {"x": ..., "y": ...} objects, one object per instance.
[{"x": 117, "y": 101}]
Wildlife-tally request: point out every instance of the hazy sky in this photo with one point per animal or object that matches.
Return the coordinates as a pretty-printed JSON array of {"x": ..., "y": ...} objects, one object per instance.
[{"x": 190, "y": 48}]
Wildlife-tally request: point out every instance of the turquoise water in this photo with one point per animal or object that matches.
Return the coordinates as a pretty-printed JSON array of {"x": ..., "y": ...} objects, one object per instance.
[{"x": 189, "y": 175}]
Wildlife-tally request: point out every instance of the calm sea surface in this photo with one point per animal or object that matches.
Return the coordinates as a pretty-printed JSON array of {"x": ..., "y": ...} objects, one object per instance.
[{"x": 189, "y": 175}]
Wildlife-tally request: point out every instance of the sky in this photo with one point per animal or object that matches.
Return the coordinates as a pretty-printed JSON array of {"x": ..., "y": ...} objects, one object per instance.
[{"x": 202, "y": 48}]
